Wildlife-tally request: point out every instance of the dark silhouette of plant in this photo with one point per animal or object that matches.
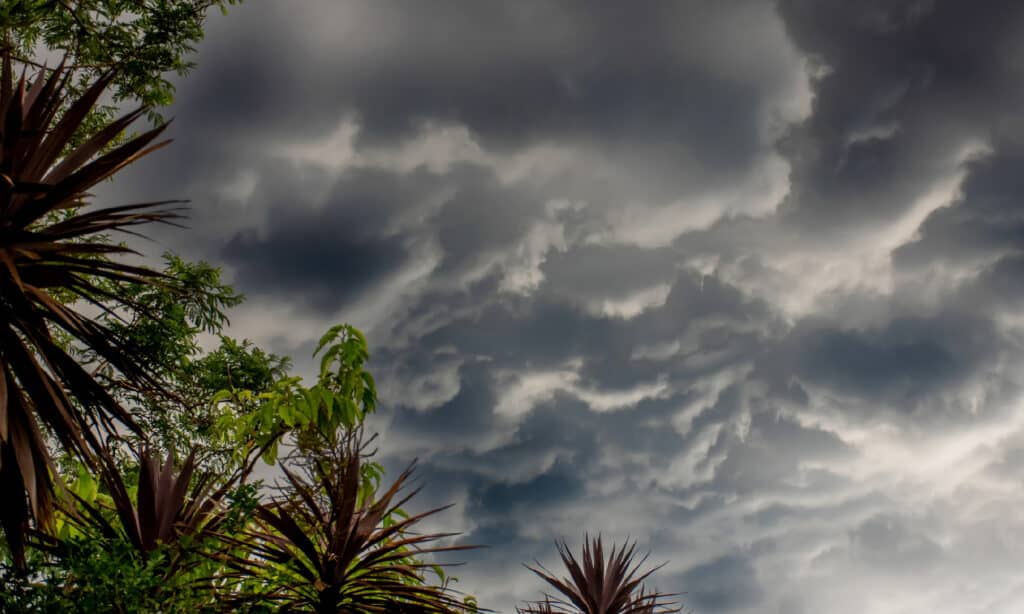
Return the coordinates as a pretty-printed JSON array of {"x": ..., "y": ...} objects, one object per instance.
[
  {"x": 332, "y": 546},
  {"x": 53, "y": 253},
  {"x": 599, "y": 586}
]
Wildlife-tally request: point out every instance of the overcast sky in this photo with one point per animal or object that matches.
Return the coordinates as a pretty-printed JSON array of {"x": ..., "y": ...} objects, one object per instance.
[{"x": 741, "y": 280}]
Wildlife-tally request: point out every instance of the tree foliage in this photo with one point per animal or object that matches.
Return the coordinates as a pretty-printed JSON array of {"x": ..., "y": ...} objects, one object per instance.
[
  {"x": 329, "y": 540},
  {"x": 141, "y": 42}
]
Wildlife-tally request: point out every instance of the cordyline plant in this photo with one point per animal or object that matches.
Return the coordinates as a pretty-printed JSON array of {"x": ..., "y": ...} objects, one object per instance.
[
  {"x": 600, "y": 586},
  {"x": 54, "y": 254},
  {"x": 331, "y": 547},
  {"x": 144, "y": 547},
  {"x": 167, "y": 506}
]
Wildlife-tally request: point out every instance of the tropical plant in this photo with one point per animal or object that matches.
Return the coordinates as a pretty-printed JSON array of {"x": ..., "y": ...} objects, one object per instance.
[
  {"x": 167, "y": 505},
  {"x": 137, "y": 546},
  {"x": 53, "y": 254},
  {"x": 597, "y": 585},
  {"x": 330, "y": 545}
]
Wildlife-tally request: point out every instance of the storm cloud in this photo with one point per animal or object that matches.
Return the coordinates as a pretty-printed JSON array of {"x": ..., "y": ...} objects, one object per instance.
[{"x": 738, "y": 280}]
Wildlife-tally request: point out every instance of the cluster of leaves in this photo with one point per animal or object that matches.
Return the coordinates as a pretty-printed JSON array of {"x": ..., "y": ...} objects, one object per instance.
[
  {"x": 319, "y": 416},
  {"x": 171, "y": 537},
  {"x": 142, "y": 42},
  {"x": 332, "y": 546},
  {"x": 597, "y": 585},
  {"x": 180, "y": 417}
]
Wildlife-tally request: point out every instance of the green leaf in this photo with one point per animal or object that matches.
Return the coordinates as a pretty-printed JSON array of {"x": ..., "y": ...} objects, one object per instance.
[
  {"x": 86, "y": 486},
  {"x": 270, "y": 454}
]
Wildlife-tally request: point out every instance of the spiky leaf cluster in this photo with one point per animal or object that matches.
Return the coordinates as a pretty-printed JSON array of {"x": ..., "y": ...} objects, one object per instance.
[
  {"x": 599, "y": 585},
  {"x": 331, "y": 546},
  {"x": 54, "y": 255}
]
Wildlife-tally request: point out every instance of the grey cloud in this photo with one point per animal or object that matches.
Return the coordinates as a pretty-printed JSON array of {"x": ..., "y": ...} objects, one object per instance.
[
  {"x": 893, "y": 543},
  {"x": 607, "y": 271},
  {"x": 464, "y": 417},
  {"x": 908, "y": 362},
  {"x": 326, "y": 253},
  {"x": 904, "y": 90},
  {"x": 482, "y": 218},
  {"x": 551, "y": 488},
  {"x": 532, "y": 72},
  {"x": 372, "y": 222},
  {"x": 983, "y": 223},
  {"x": 546, "y": 330},
  {"x": 779, "y": 515},
  {"x": 768, "y": 457},
  {"x": 725, "y": 584},
  {"x": 522, "y": 332}
]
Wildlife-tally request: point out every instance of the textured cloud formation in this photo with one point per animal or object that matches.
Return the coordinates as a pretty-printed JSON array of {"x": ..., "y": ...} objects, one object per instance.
[{"x": 740, "y": 280}]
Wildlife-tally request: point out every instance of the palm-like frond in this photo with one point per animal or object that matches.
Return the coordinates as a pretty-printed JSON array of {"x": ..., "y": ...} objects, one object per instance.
[
  {"x": 597, "y": 585},
  {"x": 166, "y": 506},
  {"x": 52, "y": 254},
  {"x": 325, "y": 551},
  {"x": 161, "y": 530}
]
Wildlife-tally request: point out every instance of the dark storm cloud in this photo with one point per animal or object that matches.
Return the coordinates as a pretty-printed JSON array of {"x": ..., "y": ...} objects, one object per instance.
[
  {"x": 329, "y": 252},
  {"x": 551, "y": 488},
  {"x": 986, "y": 220},
  {"x": 482, "y": 217},
  {"x": 596, "y": 70},
  {"x": 731, "y": 452},
  {"x": 771, "y": 453},
  {"x": 514, "y": 497},
  {"x": 464, "y": 417},
  {"x": 328, "y": 271},
  {"x": 566, "y": 427},
  {"x": 906, "y": 85},
  {"x": 908, "y": 362},
  {"x": 527, "y": 332},
  {"x": 1000, "y": 285},
  {"x": 657, "y": 93},
  {"x": 563, "y": 426},
  {"x": 544, "y": 331},
  {"x": 517, "y": 74}
]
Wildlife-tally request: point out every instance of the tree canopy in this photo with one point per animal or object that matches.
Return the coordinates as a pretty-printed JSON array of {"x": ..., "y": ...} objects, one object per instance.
[{"x": 141, "y": 40}]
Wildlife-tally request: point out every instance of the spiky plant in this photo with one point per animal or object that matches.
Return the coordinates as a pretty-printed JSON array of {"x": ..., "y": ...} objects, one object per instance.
[
  {"x": 152, "y": 542},
  {"x": 54, "y": 255},
  {"x": 332, "y": 547},
  {"x": 597, "y": 585},
  {"x": 166, "y": 506}
]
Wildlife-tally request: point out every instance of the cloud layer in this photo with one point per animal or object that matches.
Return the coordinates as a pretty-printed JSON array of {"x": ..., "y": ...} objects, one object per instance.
[{"x": 739, "y": 280}]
